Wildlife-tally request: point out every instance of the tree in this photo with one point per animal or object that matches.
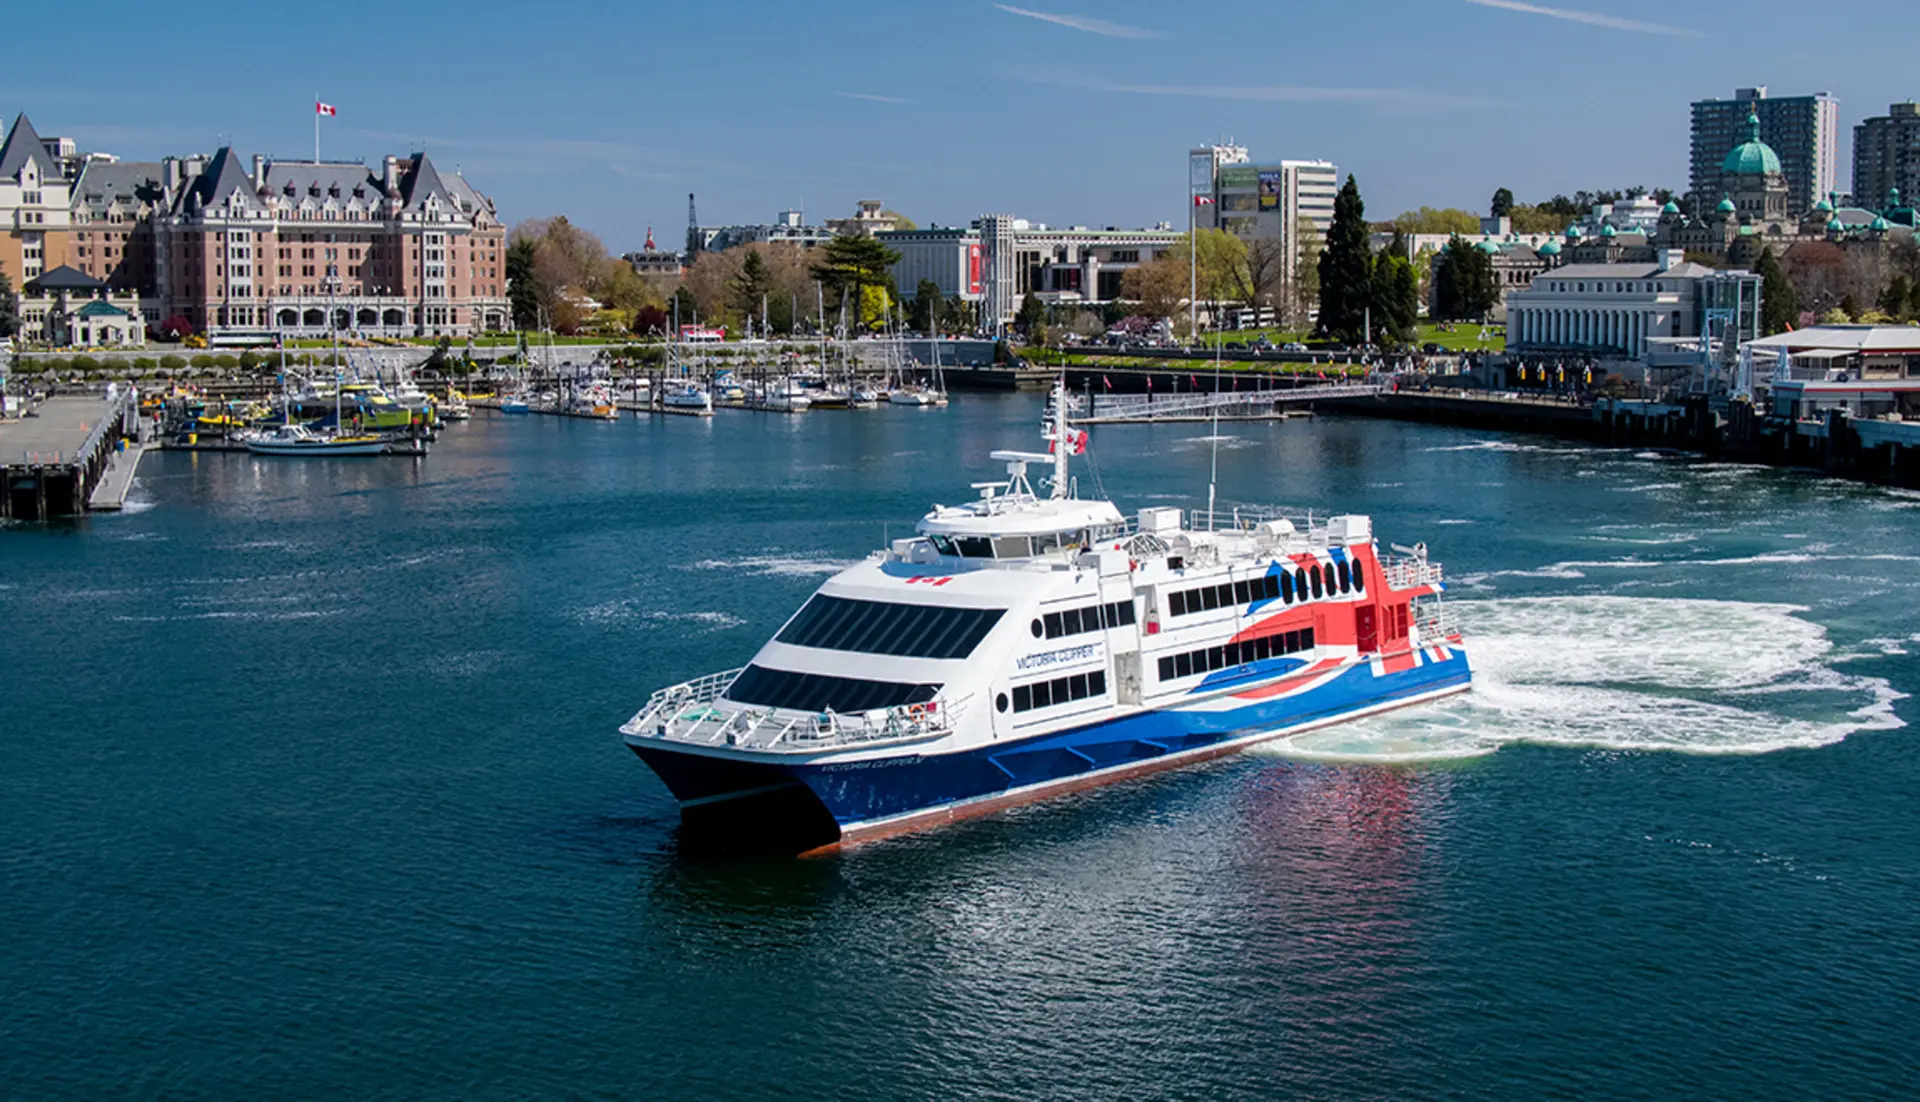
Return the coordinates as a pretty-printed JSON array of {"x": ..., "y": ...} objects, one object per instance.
[
  {"x": 925, "y": 312},
  {"x": 1032, "y": 316},
  {"x": 1528, "y": 219},
  {"x": 1264, "y": 274},
  {"x": 1393, "y": 298},
  {"x": 1306, "y": 271},
  {"x": 1779, "y": 310},
  {"x": 9, "y": 321},
  {"x": 1158, "y": 286},
  {"x": 900, "y": 221},
  {"x": 523, "y": 298},
  {"x": 1502, "y": 205},
  {"x": 1346, "y": 267},
  {"x": 682, "y": 307},
  {"x": 1430, "y": 220},
  {"x": 1896, "y": 299},
  {"x": 1849, "y": 307},
  {"x": 651, "y": 321},
  {"x": 858, "y": 268},
  {"x": 751, "y": 286},
  {"x": 1465, "y": 285},
  {"x": 1221, "y": 264}
]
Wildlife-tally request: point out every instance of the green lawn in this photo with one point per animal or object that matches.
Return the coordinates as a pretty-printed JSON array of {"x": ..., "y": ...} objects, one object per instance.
[{"x": 1464, "y": 338}]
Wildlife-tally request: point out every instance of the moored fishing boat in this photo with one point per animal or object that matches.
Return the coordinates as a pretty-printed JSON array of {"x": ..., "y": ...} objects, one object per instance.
[{"x": 1028, "y": 643}]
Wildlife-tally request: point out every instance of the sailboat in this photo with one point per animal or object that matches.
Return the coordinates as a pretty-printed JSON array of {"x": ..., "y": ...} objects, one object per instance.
[{"x": 288, "y": 438}]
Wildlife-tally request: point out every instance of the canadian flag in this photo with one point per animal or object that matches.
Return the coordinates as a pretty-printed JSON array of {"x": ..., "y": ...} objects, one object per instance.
[
  {"x": 1076, "y": 443},
  {"x": 1203, "y": 200},
  {"x": 324, "y": 109}
]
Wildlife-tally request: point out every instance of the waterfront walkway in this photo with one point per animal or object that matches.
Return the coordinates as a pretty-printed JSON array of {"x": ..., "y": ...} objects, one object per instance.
[
  {"x": 1228, "y": 405},
  {"x": 117, "y": 479}
]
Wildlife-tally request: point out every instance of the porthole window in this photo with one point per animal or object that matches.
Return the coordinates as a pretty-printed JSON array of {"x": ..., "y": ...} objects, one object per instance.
[
  {"x": 1359, "y": 579},
  {"x": 1039, "y": 629},
  {"x": 1286, "y": 588},
  {"x": 1346, "y": 579},
  {"x": 1300, "y": 584},
  {"x": 1327, "y": 572},
  {"x": 1000, "y": 703},
  {"x": 1316, "y": 583}
]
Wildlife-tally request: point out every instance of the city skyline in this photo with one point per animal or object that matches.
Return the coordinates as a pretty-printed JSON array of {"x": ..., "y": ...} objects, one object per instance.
[{"x": 1063, "y": 112}]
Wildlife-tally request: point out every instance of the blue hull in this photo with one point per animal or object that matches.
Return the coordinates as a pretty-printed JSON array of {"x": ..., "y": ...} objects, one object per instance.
[{"x": 865, "y": 797}]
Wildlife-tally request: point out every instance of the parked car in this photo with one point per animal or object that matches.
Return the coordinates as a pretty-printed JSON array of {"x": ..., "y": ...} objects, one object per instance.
[
  {"x": 1431, "y": 349},
  {"x": 1293, "y": 346}
]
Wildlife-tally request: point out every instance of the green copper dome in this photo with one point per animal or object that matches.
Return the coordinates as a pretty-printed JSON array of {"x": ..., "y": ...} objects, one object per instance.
[
  {"x": 1823, "y": 207},
  {"x": 1608, "y": 230},
  {"x": 1726, "y": 205},
  {"x": 1834, "y": 225},
  {"x": 1752, "y": 157},
  {"x": 1879, "y": 225},
  {"x": 1488, "y": 247},
  {"x": 1574, "y": 233},
  {"x": 1671, "y": 208},
  {"x": 1551, "y": 248}
]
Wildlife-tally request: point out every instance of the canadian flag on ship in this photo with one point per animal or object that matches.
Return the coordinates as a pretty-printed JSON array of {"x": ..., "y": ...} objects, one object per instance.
[
  {"x": 324, "y": 109},
  {"x": 1076, "y": 443}
]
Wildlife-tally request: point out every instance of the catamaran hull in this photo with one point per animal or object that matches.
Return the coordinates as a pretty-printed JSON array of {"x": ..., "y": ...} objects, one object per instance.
[{"x": 878, "y": 796}]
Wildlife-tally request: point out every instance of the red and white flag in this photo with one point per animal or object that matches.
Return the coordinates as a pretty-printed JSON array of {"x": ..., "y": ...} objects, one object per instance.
[
  {"x": 324, "y": 109},
  {"x": 1203, "y": 200},
  {"x": 1076, "y": 442}
]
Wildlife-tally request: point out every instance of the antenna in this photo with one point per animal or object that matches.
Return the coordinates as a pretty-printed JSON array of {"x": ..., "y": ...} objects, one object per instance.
[{"x": 1213, "y": 473}]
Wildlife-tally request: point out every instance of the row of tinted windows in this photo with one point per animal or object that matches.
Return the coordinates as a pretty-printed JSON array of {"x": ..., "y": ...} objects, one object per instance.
[
  {"x": 1284, "y": 587},
  {"x": 882, "y": 627},
  {"x": 1208, "y": 659},
  {"x": 815, "y": 692},
  {"x": 1004, "y": 547},
  {"x": 1077, "y": 620},
  {"x": 1061, "y": 690}
]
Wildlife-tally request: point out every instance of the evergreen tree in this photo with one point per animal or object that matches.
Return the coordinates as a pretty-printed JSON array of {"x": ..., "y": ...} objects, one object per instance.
[
  {"x": 1847, "y": 305},
  {"x": 1895, "y": 299},
  {"x": 750, "y": 286},
  {"x": 682, "y": 303},
  {"x": 1346, "y": 267},
  {"x": 1778, "y": 310},
  {"x": 1446, "y": 279},
  {"x": 1393, "y": 299},
  {"x": 858, "y": 268},
  {"x": 523, "y": 297},
  {"x": 926, "y": 314},
  {"x": 1032, "y": 314}
]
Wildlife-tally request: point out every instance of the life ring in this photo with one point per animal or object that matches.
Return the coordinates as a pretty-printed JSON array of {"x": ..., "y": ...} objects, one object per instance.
[{"x": 916, "y": 711}]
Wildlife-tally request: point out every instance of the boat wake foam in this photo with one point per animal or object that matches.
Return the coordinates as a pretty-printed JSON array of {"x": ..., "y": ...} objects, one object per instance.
[
  {"x": 1630, "y": 674},
  {"x": 792, "y": 566}
]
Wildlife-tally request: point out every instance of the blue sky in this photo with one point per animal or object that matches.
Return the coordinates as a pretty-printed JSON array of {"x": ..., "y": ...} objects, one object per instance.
[{"x": 1064, "y": 111}]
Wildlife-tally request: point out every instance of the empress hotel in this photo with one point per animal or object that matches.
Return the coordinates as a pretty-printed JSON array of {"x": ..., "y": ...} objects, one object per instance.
[{"x": 233, "y": 248}]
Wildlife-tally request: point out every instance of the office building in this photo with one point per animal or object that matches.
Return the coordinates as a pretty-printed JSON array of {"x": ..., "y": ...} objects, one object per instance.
[
  {"x": 1803, "y": 130},
  {"x": 1886, "y": 155},
  {"x": 1629, "y": 310},
  {"x": 998, "y": 260}
]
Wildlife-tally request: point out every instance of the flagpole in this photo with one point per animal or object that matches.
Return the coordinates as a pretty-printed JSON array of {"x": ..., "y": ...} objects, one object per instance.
[{"x": 316, "y": 128}]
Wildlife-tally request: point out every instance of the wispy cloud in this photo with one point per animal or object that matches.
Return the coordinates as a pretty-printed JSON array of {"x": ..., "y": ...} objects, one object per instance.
[
  {"x": 871, "y": 97},
  {"x": 1292, "y": 93},
  {"x": 1590, "y": 18},
  {"x": 1085, "y": 23}
]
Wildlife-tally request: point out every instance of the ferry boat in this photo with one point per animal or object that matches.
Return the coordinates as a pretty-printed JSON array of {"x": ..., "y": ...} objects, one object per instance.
[{"x": 1028, "y": 643}]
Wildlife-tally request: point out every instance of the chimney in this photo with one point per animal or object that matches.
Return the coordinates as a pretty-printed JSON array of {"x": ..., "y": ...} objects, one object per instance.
[
  {"x": 390, "y": 174},
  {"x": 259, "y": 172},
  {"x": 1672, "y": 258},
  {"x": 170, "y": 174}
]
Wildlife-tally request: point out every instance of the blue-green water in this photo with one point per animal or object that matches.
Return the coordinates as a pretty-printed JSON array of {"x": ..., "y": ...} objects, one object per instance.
[{"x": 310, "y": 787}]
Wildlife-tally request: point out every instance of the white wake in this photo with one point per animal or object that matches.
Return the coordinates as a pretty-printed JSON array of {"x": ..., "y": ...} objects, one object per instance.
[{"x": 1624, "y": 673}]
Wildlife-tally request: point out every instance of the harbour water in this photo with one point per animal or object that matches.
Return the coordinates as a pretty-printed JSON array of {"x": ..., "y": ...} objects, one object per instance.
[{"x": 310, "y": 787}]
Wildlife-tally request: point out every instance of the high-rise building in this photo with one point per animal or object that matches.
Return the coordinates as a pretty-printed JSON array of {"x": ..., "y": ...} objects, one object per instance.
[
  {"x": 1277, "y": 202},
  {"x": 1886, "y": 155},
  {"x": 1803, "y": 130},
  {"x": 999, "y": 256}
]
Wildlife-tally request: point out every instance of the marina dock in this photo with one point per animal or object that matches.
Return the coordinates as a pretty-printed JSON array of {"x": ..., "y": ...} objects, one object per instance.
[{"x": 53, "y": 461}]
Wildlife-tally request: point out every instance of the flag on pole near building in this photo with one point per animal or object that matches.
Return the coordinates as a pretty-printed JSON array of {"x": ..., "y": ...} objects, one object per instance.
[
  {"x": 324, "y": 109},
  {"x": 1203, "y": 200}
]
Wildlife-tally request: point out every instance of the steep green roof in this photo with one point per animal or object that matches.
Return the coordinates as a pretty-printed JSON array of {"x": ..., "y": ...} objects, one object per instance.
[{"x": 1752, "y": 157}]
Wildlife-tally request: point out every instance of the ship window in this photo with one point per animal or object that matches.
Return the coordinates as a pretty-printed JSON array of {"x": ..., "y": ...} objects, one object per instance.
[
  {"x": 1055, "y": 626},
  {"x": 1022, "y": 698},
  {"x": 1242, "y": 592},
  {"x": 1314, "y": 575},
  {"x": 1000, "y": 703},
  {"x": 1012, "y": 547},
  {"x": 1270, "y": 587},
  {"x": 1293, "y": 641},
  {"x": 1359, "y": 579},
  {"x": 1039, "y": 629},
  {"x": 1306, "y": 638},
  {"x": 1061, "y": 690},
  {"x": 1176, "y": 604},
  {"x": 1286, "y": 587},
  {"x": 1183, "y": 665},
  {"x": 1070, "y": 622},
  {"x": 1166, "y": 668},
  {"x": 1300, "y": 584},
  {"x": 813, "y": 692},
  {"x": 1209, "y": 598},
  {"x": 1346, "y": 579},
  {"x": 942, "y": 544},
  {"x": 1216, "y": 657},
  {"x": 1043, "y": 694},
  {"x": 883, "y": 627},
  {"x": 1046, "y": 543},
  {"x": 1226, "y": 595},
  {"x": 974, "y": 547},
  {"x": 1077, "y": 687},
  {"x": 1327, "y": 572}
]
